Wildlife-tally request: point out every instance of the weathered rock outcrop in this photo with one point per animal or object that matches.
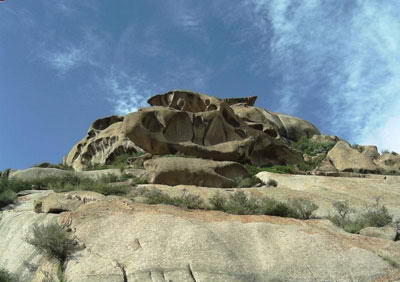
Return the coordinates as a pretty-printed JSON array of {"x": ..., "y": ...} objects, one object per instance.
[
  {"x": 347, "y": 159},
  {"x": 229, "y": 129},
  {"x": 389, "y": 163},
  {"x": 137, "y": 242},
  {"x": 386, "y": 232},
  {"x": 192, "y": 171},
  {"x": 38, "y": 173},
  {"x": 275, "y": 124},
  {"x": 216, "y": 134},
  {"x": 104, "y": 141}
]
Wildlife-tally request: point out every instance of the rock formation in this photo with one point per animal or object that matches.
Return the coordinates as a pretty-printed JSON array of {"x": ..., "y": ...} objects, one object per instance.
[
  {"x": 104, "y": 141},
  {"x": 192, "y": 171},
  {"x": 126, "y": 241},
  {"x": 229, "y": 129}
]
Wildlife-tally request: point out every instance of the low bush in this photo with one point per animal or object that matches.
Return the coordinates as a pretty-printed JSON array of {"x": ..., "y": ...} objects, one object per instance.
[
  {"x": 217, "y": 202},
  {"x": 7, "y": 197},
  {"x": 310, "y": 147},
  {"x": 52, "y": 241},
  {"x": 8, "y": 188},
  {"x": 187, "y": 201},
  {"x": 375, "y": 215},
  {"x": 120, "y": 161},
  {"x": 302, "y": 208},
  {"x": 239, "y": 203},
  {"x": 6, "y": 276}
]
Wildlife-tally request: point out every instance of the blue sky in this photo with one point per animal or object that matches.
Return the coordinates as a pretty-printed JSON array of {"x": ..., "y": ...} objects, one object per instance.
[{"x": 65, "y": 63}]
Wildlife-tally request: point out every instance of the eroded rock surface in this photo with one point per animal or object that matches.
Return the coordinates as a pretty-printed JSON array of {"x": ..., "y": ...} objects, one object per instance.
[
  {"x": 229, "y": 129},
  {"x": 193, "y": 171},
  {"x": 104, "y": 141},
  {"x": 160, "y": 243},
  {"x": 217, "y": 134}
]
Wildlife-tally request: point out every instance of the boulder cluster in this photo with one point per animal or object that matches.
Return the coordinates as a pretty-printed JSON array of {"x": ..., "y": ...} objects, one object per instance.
[
  {"x": 197, "y": 125},
  {"x": 230, "y": 129}
]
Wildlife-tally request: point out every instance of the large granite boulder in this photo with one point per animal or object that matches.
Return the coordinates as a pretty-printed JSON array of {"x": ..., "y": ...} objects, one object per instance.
[
  {"x": 69, "y": 201},
  {"x": 387, "y": 232},
  {"x": 193, "y": 171},
  {"x": 229, "y": 129},
  {"x": 195, "y": 102},
  {"x": 344, "y": 158},
  {"x": 37, "y": 173},
  {"x": 389, "y": 163},
  {"x": 104, "y": 141},
  {"x": 216, "y": 134},
  {"x": 275, "y": 124}
]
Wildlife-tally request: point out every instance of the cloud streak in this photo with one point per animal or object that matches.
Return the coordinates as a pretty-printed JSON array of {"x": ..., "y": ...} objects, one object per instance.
[
  {"x": 343, "y": 54},
  {"x": 128, "y": 92}
]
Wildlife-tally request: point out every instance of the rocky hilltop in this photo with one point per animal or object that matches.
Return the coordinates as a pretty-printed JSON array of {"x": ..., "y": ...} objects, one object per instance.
[{"x": 197, "y": 188}]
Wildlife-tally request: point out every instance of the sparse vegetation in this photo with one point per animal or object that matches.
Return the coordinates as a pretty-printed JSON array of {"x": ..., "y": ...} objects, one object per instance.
[
  {"x": 52, "y": 241},
  {"x": 7, "y": 197},
  {"x": 121, "y": 162},
  {"x": 303, "y": 208},
  {"x": 236, "y": 203},
  {"x": 6, "y": 276},
  {"x": 375, "y": 215},
  {"x": 312, "y": 148},
  {"x": 9, "y": 188}
]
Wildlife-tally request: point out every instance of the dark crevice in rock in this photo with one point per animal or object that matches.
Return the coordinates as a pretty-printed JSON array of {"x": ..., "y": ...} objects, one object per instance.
[
  {"x": 191, "y": 273},
  {"x": 123, "y": 271}
]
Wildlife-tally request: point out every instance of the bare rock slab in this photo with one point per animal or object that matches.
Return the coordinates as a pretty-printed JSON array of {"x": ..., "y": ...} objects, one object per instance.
[{"x": 193, "y": 171}]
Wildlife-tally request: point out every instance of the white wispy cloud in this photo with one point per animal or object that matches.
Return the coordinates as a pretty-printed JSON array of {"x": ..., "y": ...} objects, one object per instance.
[
  {"x": 128, "y": 92},
  {"x": 343, "y": 54},
  {"x": 65, "y": 60}
]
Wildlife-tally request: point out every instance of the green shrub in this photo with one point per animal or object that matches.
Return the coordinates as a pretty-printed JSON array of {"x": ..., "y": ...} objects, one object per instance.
[
  {"x": 239, "y": 203},
  {"x": 13, "y": 185},
  {"x": 7, "y": 197},
  {"x": 52, "y": 241},
  {"x": 217, "y": 202},
  {"x": 155, "y": 197},
  {"x": 376, "y": 215},
  {"x": 310, "y": 147},
  {"x": 6, "y": 276},
  {"x": 187, "y": 201},
  {"x": 268, "y": 206},
  {"x": 120, "y": 161},
  {"x": 236, "y": 203},
  {"x": 302, "y": 208}
]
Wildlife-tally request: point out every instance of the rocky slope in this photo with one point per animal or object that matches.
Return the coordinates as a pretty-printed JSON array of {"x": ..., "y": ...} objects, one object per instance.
[
  {"x": 126, "y": 241},
  {"x": 191, "y": 143}
]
